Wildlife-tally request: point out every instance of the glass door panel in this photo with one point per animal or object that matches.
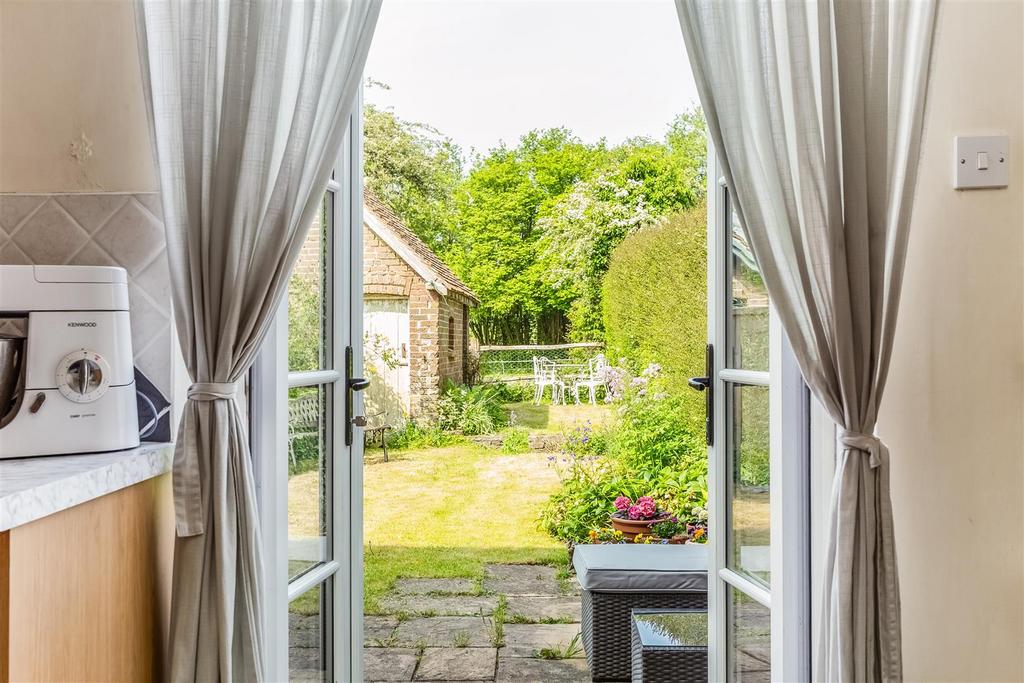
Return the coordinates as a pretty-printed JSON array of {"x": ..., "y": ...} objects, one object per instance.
[
  {"x": 309, "y": 457},
  {"x": 312, "y": 381},
  {"x": 749, "y": 484},
  {"x": 758, "y": 573},
  {"x": 750, "y": 639},
  {"x": 309, "y": 635}
]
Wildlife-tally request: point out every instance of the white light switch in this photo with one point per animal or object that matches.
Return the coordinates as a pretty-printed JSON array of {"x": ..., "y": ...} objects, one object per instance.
[{"x": 981, "y": 161}]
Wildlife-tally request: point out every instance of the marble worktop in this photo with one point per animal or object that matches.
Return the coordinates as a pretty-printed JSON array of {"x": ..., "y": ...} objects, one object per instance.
[{"x": 32, "y": 488}]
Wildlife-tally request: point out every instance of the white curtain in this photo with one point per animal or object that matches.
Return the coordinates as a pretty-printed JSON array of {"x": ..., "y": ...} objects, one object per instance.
[
  {"x": 815, "y": 109},
  {"x": 249, "y": 102}
]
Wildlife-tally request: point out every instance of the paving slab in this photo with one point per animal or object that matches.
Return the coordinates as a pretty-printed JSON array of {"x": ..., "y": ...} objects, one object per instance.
[
  {"x": 540, "y": 609},
  {"x": 523, "y": 640},
  {"x": 457, "y": 664},
  {"x": 445, "y": 632},
  {"x": 450, "y": 605},
  {"x": 521, "y": 579},
  {"x": 425, "y": 586},
  {"x": 547, "y": 670},
  {"x": 377, "y": 630},
  {"x": 388, "y": 664}
]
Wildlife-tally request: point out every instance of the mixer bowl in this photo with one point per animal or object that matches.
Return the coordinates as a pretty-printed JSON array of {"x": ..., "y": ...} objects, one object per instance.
[{"x": 12, "y": 373}]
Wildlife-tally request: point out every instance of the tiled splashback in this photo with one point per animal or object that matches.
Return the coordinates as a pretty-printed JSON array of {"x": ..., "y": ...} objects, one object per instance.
[{"x": 101, "y": 230}]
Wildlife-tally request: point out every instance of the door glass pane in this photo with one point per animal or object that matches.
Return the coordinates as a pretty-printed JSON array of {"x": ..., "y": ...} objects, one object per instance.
[
  {"x": 750, "y": 531},
  {"x": 308, "y": 617},
  {"x": 308, "y": 480},
  {"x": 308, "y": 319},
  {"x": 748, "y": 312},
  {"x": 750, "y": 644}
]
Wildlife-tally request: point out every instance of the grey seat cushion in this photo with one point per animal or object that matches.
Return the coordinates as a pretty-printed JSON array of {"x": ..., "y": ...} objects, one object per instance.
[{"x": 627, "y": 568}]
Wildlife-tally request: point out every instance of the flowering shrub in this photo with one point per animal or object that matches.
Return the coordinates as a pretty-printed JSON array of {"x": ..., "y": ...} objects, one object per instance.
[
  {"x": 650, "y": 454},
  {"x": 644, "y": 508}
]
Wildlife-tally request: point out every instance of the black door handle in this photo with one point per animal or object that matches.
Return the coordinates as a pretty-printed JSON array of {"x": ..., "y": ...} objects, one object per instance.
[
  {"x": 352, "y": 385},
  {"x": 699, "y": 383},
  {"x": 706, "y": 385}
]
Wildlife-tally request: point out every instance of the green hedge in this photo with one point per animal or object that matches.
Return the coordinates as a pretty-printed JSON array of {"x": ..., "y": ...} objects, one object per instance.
[{"x": 655, "y": 303}]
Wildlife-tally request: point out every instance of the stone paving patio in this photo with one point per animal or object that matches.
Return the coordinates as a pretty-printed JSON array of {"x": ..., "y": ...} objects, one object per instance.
[{"x": 459, "y": 630}]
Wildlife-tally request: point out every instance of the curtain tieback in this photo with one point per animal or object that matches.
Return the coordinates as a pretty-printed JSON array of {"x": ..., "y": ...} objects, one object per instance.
[
  {"x": 212, "y": 391},
  {"x": 868, "y": 443}
]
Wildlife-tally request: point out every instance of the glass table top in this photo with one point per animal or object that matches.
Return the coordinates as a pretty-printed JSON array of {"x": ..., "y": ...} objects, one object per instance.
[{"x": 672, "y": 628}]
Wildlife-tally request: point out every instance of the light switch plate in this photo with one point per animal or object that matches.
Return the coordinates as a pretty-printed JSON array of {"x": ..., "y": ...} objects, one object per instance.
[{"x": 981, "y": 161}]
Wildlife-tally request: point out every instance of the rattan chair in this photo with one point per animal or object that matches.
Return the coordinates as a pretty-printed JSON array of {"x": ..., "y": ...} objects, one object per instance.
[{"x": 618, "y": 578}]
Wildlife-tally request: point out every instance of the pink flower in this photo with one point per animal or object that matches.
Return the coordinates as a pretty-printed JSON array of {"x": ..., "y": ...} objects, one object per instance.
[
  {"x": 646, "y": 507},
  {"x": 622, "y": 503},
  {"x": 634, "y": 512}
]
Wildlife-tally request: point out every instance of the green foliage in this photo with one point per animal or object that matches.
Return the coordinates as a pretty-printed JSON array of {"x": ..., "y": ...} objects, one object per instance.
[
  {"x": 415, "y": 170},
  {"x": 496, "y": 250},
  {"x": 413, "y": 435},
  {"x": 515, "y": 440},
  {"x": 571, "y": 649},
  {"x": 471, "y": 410},
  {"x": 655, "y": 304},
  {"x": 578, "y": 236},
  {"x": 305, "y": 323},
  {"x": 536, "y": 224},
  {"x": 306, "y": 450},
  {"x": 651, "y": 451}
]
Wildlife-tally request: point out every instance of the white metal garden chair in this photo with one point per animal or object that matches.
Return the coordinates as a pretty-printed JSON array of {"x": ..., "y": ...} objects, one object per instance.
[
  {"x": 593, "y": 378},
  {"x": 545, "y": 375}
]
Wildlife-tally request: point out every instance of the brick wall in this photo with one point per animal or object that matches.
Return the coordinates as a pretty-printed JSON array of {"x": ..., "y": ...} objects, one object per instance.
[
  {"x": 434, "y": 354},
  {"x": 308, "y": 264},
  {"x": 451, "y": 326}
]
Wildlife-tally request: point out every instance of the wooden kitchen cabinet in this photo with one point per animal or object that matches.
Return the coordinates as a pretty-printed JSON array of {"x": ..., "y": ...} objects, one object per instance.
[{"x": 84, "y": 591}]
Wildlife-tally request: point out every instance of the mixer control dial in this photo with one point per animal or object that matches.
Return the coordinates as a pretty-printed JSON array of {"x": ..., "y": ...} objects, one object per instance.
[{"x": 83, "y": 376}]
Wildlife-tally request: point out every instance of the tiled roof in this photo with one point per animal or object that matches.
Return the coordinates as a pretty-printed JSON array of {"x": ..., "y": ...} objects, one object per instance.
[{"x": 412, "y": 241}]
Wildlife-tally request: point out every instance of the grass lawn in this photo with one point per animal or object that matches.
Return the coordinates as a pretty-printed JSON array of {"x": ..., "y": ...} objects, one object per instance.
[
  {"x": 446, "y": 512},
  {"x": 443, "y": 512},
  {"x": 557, "y": 418}
]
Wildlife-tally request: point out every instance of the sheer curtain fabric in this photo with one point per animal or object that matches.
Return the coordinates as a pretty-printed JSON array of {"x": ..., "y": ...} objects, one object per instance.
[
  {"x": 815, "y": 109},
  {"x": 249, "y": 102}
]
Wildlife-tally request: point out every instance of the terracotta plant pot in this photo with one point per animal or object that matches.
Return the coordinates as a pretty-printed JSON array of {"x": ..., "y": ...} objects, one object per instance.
[{"x": 631, "y": 527}]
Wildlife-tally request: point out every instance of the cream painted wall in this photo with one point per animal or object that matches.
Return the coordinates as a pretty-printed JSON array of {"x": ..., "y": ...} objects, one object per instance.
[
  {"x": 953, "y": 411},
  {"x": 70, "y": 85}
]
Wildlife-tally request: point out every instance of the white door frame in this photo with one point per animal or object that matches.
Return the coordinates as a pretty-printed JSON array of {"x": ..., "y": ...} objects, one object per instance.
[
  {"x": 788, "y": 597},
  {"x": 270, "y": 381}
]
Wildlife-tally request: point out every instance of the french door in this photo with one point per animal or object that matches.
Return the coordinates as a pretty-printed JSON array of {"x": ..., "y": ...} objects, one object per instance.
[
  {"x": 758, "y": 444},
  {"x": 307, "y": 449}
]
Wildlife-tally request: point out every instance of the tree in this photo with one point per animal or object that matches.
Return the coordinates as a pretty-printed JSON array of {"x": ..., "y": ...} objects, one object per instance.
[
  {"x": 415, "y": 170},
  {"x": 579, "y": 233},
  {"x": 496, "y": 235}
]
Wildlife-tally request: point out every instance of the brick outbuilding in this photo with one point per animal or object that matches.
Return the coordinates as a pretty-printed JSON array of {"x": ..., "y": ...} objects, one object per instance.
[{"x": 415, "y": 315}]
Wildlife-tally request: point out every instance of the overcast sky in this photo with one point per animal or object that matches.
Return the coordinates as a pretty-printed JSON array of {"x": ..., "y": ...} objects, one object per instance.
[{"x": 483, "y": 71}]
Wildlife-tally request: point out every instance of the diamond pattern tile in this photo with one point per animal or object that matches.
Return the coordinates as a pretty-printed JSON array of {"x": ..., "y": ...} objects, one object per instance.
[
  {"x": 155, "y": 280},
  {"x": 11, "y": 255},
  {"x": 50, "y": 235},
  {"x": 14, "y": 208},
  {"x": 101, "y": 230},
  {"x": 151, "y": 200},
  {"x": 147, "y": 319},
  {"x": 132, "y": 236},
  {"x": 91, "y": 211},
  {"x": 92, "y": 255}
]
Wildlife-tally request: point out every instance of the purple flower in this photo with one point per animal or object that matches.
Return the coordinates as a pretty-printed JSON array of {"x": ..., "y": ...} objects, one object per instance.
[{"x": 622, "y": 503}]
